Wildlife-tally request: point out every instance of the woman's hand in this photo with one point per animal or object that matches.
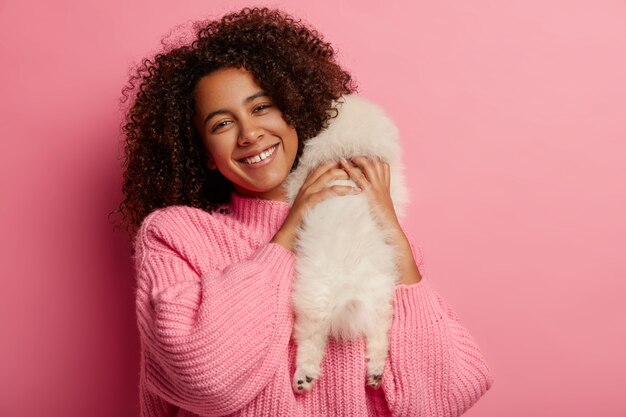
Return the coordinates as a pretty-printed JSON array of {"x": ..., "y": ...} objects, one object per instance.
[
  {"x": 314, "y": 190},
  {"x": 374, "y": 178}
]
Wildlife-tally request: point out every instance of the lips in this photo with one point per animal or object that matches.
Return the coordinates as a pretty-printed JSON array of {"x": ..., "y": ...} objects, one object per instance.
[{"x": 260, "y": 156}]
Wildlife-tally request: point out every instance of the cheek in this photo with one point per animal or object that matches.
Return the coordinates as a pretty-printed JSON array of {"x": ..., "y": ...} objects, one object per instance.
[
  {"x": 215, "y": 158},
  {"x": 276, "y": 121},
  {"x": 293, "y": 139},
  {"x": 208, "y": 150},
  {"x": 216, "y": 147}
]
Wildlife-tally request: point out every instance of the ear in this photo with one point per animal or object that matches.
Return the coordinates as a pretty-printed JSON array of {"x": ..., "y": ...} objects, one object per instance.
[{"x": 210, "y": 163}]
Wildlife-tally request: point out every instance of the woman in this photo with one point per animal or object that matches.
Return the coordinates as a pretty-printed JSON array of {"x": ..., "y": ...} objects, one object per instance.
[{"x": 214, "y": 129}]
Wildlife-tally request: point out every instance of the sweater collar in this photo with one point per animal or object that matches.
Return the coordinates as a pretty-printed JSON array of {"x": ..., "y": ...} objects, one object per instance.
[{"x": 265, "y": 216}]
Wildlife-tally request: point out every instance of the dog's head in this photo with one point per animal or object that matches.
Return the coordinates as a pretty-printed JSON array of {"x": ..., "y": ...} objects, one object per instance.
[{"x": 361, "y": 128}]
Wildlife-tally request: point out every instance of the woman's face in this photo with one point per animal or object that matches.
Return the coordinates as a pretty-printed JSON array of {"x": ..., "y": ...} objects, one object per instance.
[{"x": 245, "y": 134}]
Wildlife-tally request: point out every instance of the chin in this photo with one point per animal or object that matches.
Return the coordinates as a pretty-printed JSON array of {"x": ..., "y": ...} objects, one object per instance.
[{"x": 346, "y": 270}]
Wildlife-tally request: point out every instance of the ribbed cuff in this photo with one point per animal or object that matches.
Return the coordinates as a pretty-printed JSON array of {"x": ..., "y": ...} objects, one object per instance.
[
  {"x": 418, "y": 301},
  {"x": 276, "y": 259}
]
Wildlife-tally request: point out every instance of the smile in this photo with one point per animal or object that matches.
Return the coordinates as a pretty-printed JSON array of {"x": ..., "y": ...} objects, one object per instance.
[{"x": 260, "y": 157}]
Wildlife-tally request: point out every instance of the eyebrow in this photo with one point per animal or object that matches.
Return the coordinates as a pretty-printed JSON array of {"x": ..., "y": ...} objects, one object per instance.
[{"x": 222, "y": 111}]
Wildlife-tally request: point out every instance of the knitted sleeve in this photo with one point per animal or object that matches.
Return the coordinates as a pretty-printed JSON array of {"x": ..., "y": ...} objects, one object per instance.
[
  {"x": 211, "y": 341},
  {"x": 434, "y": 367}
]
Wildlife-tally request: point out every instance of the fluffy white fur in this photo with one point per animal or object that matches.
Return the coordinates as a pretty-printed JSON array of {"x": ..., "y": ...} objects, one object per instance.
[{"x": 346, "y": 269}]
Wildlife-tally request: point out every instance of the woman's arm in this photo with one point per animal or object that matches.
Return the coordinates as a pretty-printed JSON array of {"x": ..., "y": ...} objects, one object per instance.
[
  {"x": 435, "y": 368},
  {"x": 213, "y": 341}
]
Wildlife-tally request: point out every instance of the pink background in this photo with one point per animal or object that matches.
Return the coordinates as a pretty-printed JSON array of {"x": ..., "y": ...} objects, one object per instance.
[{"x": 513, "y": 119}]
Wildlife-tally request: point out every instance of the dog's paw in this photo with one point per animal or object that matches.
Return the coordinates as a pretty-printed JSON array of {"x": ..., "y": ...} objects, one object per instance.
[
  {"x": 303, "y": 381},
  {"x": 374, "y": 380},
  {"x": 375, "y": 372}
]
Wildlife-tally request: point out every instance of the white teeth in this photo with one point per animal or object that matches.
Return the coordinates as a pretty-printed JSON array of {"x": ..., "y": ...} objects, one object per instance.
[{"x": 261, "y": 156}]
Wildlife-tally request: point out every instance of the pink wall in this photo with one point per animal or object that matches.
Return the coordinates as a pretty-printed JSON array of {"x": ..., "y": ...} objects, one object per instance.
[{"x": 513, "y": 117}]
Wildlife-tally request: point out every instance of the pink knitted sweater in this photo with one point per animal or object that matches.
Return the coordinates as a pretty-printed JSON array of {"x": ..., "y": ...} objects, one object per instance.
[{"x": 215, "y": 322}]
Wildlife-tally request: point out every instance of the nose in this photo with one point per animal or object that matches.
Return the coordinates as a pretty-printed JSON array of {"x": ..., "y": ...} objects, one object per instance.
[{"x": 250, "y": 132}]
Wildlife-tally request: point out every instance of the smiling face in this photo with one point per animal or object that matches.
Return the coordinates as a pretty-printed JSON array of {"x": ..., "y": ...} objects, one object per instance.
[{"x": 244, "y": 133}]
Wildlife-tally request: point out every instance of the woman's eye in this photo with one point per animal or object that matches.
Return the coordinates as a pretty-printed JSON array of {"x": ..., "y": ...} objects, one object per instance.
[
  {"x": 220, "y": 125},
  {"x": 261, "y": 107}
]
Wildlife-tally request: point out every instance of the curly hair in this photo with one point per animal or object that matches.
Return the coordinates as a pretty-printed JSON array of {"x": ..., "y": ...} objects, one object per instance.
[{"x": 165, "y": 161}]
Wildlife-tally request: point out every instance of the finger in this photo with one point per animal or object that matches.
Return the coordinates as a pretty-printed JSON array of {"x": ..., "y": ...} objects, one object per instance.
[
  {"x": 339, "y": 190},
  {"x": 317, "y": 172},
  {"x": 379, "y": 164},
  {"x": 355, "y": 174},
  {"x": 344, "y": 189},
  {"x": 387, "y": 173},
  {"x": 367, "y": 166},
  {"x": 328, "y": 176}
]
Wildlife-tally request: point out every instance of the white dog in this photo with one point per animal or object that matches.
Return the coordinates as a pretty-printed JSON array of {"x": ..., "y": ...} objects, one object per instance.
[{"x": 346, "y": 268}]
